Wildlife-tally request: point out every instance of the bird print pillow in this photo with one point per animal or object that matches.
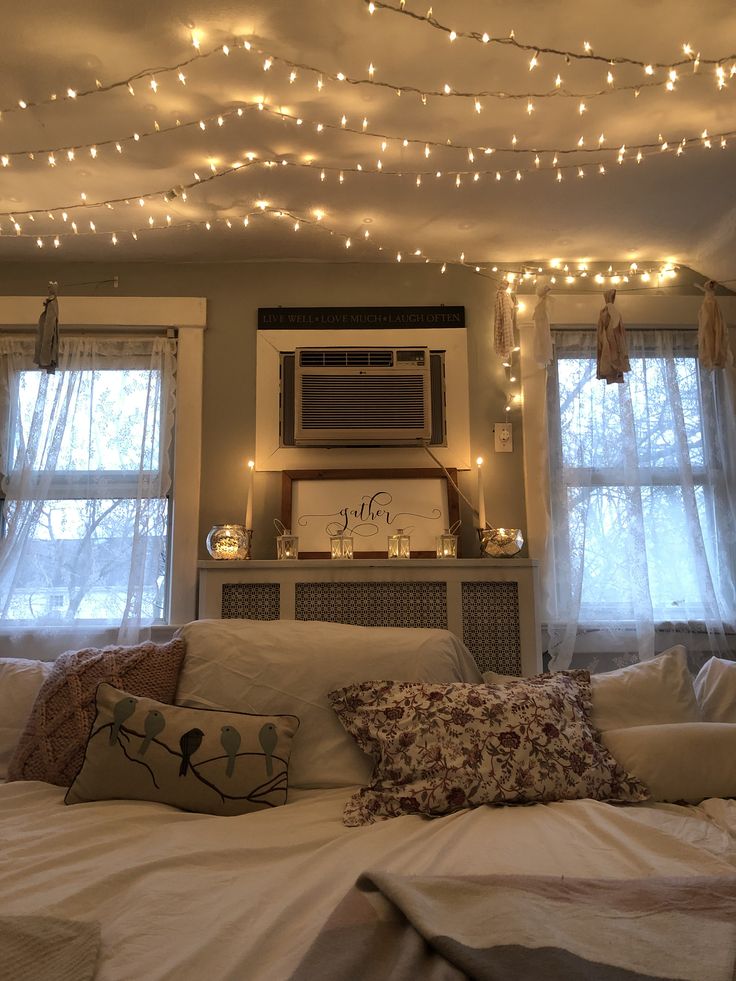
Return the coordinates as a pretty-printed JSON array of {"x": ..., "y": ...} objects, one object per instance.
[{"x": 196, "y": 759}]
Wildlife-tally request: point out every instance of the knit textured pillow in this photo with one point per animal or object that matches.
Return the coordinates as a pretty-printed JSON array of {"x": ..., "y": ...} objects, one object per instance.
[{"x": 52, "y": 745}]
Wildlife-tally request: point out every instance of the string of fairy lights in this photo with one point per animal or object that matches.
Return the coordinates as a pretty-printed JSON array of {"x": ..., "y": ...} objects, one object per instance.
[
  {"x": 320, "y": 75},
  {"x": 690, "y": 55},
  {"x": 591, "y": 155},
  {"x": 55, "y": 155},
  {"x": 458, "y": 177}
]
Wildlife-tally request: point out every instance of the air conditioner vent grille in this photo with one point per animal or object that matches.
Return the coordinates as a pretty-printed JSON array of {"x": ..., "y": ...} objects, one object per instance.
[
  {"x": 347, "y": 357},
  {"x": 363, "y": 402}
]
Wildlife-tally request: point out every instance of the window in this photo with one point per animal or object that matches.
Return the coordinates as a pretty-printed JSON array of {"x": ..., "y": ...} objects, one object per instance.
[
  {"x": 642, "y": 494},
  {"x": 86, "y": 506}
]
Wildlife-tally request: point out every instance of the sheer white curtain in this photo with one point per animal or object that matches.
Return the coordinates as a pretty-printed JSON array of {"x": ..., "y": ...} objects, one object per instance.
[
  {"x": 642, "y": 537},
  {"x": 86, "y": 474}
]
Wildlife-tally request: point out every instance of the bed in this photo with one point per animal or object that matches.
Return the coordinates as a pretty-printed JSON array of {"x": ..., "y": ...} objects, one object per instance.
[{"x": 191, "y": 895}]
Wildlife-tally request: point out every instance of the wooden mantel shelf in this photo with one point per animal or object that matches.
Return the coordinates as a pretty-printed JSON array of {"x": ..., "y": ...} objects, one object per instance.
[{"x": 371, "y": 563}]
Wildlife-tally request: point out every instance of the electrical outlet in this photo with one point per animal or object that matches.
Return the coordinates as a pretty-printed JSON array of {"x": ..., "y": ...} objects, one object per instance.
[{"x": 503, "y": 437}]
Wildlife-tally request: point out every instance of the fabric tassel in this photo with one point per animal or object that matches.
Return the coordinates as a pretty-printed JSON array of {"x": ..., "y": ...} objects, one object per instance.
[
  {"x": 505, "y": 322},
  {"x": 613, "y": 355},
  {"x": 713, "y": 350},
  {"x": 542, "y": 332},
  {"x": 46, "y": 354}
]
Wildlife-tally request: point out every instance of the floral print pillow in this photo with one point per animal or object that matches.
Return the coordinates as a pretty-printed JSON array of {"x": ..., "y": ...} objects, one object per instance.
[{"x": 442, "y": 747}]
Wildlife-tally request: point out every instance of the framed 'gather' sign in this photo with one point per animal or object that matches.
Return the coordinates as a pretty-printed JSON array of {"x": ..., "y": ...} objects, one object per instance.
[{"x": 370, "y": 505}]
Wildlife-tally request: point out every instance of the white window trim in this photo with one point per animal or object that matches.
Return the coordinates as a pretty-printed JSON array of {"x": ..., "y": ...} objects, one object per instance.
[
  {"x": 188, "y": 316},
  {"x": 577, "y": 311}
]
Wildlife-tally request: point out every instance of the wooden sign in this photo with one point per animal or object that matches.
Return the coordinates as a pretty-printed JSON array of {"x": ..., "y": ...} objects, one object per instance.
[
  {"x": 370, "y": 505},
  {"x": 356, "y": 318}
]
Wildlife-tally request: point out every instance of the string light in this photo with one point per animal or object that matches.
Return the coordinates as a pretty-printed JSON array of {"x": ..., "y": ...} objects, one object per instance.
[
  {"x": 270, "y": 59},
  {"x": 388, "y": 139},
  {"x": 510, "y": 40}
]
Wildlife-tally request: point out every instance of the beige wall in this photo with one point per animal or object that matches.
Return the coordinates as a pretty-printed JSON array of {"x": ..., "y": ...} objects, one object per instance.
[{"x": 234, "y": 291}]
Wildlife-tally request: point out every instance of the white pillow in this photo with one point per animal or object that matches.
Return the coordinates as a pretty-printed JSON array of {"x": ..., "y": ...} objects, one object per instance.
[
  {"x": 715, "y": 690},
  {"x": 491, "y": 678},
  {"x": 679, "y": 762},
  {"x": 20, "y": 681},
  {"x": 288, "y": 666},
  {"x": 649, "y": 693}
]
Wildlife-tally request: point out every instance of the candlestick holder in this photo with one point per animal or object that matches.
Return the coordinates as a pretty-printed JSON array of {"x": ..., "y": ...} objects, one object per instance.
[
  {"x": 500, "y": 543},
  {"x": 229, "y": 542}
]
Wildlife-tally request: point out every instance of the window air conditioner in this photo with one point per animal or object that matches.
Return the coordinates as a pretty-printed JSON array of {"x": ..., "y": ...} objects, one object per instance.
[{"x": 362, "y": 396}]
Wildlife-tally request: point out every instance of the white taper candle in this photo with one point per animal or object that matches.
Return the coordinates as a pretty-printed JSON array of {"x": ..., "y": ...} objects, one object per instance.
[
  {"x": 481, "y": 495},
  {"x": 249, "y": 500}
]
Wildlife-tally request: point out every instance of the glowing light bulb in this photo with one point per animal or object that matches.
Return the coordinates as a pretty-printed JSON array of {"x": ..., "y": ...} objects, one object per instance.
[{"x": 196, "y": 39}]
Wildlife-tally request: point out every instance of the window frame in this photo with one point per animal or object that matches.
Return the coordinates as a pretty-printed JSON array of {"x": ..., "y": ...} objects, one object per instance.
[
  {"x": 575, "y": 311},
  {"x": 187, "y": 317},
  {"x": 69, "y": 485},
  {"x": 612, "y": 477}
]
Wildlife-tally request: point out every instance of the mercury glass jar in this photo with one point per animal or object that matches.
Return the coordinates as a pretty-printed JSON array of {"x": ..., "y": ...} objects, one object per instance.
[
  {"x": 229, "y": 542},
  {"x": 499, "y": 543}
]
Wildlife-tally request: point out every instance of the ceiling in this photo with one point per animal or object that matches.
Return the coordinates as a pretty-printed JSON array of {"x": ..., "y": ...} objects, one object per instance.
[{"x": 666, "y": 208}]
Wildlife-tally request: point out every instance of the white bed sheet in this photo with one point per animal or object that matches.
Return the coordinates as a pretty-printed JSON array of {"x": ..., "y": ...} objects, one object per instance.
[{"x": 191, "y": 896}]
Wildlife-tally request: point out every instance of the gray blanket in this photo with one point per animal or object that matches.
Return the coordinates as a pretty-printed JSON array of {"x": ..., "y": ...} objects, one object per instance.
[
  {"x": 45, "y": 948},
  {"x": 525, "y": 928}
]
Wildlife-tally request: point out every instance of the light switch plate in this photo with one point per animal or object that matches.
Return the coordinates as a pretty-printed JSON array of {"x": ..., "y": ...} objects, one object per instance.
[{"x": 503, "y": 437}]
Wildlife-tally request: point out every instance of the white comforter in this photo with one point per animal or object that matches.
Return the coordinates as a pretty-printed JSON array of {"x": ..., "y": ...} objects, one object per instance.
[{"x": 188, "y": 896}]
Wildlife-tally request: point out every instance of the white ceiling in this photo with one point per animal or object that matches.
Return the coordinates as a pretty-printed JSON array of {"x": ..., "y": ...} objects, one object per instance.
[{"x": 665, "y": 208}]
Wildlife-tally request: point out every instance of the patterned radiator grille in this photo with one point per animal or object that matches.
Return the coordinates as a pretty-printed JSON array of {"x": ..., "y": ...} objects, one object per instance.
[
  {"x": 250, "y": 601},
  {"x": 491, "y": 625},
  {"x": 374, "y": 604}
]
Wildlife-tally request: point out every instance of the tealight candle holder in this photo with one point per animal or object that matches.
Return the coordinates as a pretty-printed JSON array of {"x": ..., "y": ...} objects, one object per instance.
[
  {"x": 287, "y": 545},
  {"x": 500, "y": 543},
  {"x": 446, "y": 545},
  {"x": 341, "y": 546},
  {"x": 229, "y": 542},
  {"x": 399, "y": 545}
]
